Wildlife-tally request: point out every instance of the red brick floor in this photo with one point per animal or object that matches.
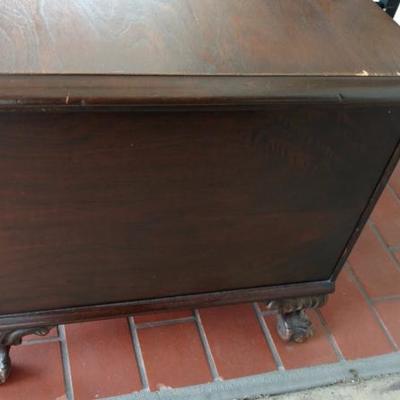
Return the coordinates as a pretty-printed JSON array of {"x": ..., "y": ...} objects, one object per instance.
[{"x": 174, "y": 349}]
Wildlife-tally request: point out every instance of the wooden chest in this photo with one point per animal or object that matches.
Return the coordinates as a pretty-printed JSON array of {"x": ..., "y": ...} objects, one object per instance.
[{"x": 162, "y": 154}]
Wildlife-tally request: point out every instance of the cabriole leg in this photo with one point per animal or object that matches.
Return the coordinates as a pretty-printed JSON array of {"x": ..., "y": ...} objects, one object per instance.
[
  {"x": 292, "y": 321},
  {"x": 12, "y": 337},
  {"x": 5, "y": 363}
]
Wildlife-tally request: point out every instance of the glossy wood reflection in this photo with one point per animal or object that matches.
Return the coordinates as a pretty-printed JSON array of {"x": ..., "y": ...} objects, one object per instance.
[{"x": 318, "y": 37}]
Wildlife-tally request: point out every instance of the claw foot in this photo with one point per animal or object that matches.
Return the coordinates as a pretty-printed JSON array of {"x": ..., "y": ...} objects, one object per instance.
[
  {"x": 294, "y": 327},
  {"x": 5, "y": 363},
  {"x": 11, "y": 337},
  {"x": 292, "y": 321}
]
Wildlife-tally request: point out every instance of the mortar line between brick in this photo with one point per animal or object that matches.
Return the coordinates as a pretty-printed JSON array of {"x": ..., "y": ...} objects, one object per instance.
[
  {"x": 268, "y": 338},
  {"x": 138, "y": 354},
  {"x": 370, "y": 304},
  {"x": 155, "y": 324},
  {"x": 383, "y": 243},
  {"x": 68, "y": 383},
  {"x": 331, "y": 338},
  {"x": 206, "y": 346},
  {"x": 393, "y": 192},
  {"x": 394, "y": 249},
  {"x": 268, "y": 313},
  {"x": 40, "y": 341},
  {"x": 382, "y": 299}
]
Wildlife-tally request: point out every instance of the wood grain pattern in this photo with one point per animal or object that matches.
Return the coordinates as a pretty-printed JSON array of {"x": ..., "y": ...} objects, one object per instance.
[
  {"x": 100, "y": 207},
  {"x": 162, "y": 154},
  {"x": 186, "y": 37}
]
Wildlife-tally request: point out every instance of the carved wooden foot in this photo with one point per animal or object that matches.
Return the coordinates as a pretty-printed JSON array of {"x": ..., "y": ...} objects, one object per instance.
[
  {"x": 5, "y": 363},
  {"x": 292, "y": 322},
  {"x": 10, "y": 338}
]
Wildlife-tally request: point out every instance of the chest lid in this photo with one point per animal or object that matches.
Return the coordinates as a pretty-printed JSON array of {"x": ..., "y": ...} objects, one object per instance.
[{"x": 198, "y": 37}]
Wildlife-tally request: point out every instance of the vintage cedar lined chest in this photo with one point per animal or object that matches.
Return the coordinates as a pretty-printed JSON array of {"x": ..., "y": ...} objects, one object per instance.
[{"x": 181, "y": 153}]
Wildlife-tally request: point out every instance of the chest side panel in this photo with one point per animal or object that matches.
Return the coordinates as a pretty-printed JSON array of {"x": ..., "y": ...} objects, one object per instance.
[{"x": 99, "y": 207}]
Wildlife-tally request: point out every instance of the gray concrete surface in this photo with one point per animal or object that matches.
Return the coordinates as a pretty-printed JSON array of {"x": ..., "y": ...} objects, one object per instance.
[
  {"x": 279, "y": 382},
  {"x": 384, "y": 388}
]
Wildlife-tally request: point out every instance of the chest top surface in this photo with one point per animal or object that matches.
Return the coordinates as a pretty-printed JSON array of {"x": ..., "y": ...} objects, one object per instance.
[{"x": 198, "y": 37}]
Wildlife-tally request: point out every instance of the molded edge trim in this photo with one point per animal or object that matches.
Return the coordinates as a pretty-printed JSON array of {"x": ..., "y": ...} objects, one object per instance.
[
  {"x": 69, "y": 92},
  {"x": 104, "y": 311}
]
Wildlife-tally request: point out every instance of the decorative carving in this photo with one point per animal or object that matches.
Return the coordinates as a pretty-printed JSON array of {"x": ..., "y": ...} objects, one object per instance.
[
  {"x": 292, "y": 321},
  {"x": 12, "y": 337},
  {"x": 5, "y": 363}
]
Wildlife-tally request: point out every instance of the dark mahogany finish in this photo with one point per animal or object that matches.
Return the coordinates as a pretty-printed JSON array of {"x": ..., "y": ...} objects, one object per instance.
[
  {"x": 183, "y": 153},
  {"x": 103, "y": 207},
  {"x": 192, "y": 37}
]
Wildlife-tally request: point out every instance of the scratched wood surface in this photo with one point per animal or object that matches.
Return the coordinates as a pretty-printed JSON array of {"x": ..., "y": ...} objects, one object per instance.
[{"x": 317, "y": 37}]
